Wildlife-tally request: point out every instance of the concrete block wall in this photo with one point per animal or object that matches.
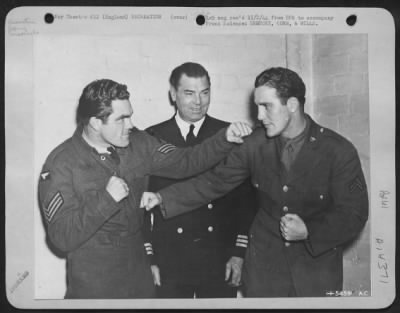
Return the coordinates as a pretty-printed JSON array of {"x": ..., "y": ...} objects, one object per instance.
[
  {"x": 233, "y": 62},
  {"x": 340, "y": 102}
]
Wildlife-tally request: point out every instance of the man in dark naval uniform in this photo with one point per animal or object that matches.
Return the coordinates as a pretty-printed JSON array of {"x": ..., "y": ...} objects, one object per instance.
[
  {"x": 199, "y": 253},
  {"x": 312, "y": 196},
  {"x": 90, "y": 187}
]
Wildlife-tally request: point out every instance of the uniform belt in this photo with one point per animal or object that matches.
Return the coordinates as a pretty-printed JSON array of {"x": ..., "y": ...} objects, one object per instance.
[{"x": 122, "y": 239}]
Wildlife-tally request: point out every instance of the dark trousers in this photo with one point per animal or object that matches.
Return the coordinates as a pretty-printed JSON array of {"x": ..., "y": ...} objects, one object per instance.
[
  {"x": 194, "y": 270},
  {"x": 261, "y": 282},
  {"x": 110, "y": 271},
  {"x": 201, "y": 290}
]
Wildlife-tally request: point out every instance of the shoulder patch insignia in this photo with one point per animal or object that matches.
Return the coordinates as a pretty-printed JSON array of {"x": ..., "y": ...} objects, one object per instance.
[
  {"x": 356, "y": 185},
  {"x": 45, "y": 175},
  {"x": 54, "y": 205},
  {"x": 166, "y": 148}
]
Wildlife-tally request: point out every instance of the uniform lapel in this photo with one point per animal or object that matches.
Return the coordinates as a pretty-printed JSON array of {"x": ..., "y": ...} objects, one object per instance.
[
  {"x": 205, "y": 130},
  {"x": 270, "y": 156},
  {"x": 173, "y": 134}
]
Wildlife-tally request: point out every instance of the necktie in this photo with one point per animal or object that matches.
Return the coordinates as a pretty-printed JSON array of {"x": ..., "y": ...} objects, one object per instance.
[
  {"x": 113, "y": 154},
  {"x": 190, "y": 137},
  {"x": 287, "y": 156}
]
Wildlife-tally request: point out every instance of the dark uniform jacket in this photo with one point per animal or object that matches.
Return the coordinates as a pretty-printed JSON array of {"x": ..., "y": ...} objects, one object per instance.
[
  {"x": 325, "y": 187},
  {"x": 193, "y": 248},
  {"x": 103, "y": 239}
]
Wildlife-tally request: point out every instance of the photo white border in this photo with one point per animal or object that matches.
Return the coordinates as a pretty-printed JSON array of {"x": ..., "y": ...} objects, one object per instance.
[{"x": 24, "y": 23}]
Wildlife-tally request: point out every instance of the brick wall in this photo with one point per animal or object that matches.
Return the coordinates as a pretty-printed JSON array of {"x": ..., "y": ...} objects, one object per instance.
[{"x": 233, "y": 61}]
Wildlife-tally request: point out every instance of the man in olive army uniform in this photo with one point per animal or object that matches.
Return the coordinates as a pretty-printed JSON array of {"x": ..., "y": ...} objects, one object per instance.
[
  {"x": 90, "y": 187},
  {"x": 312, "y": 196}
]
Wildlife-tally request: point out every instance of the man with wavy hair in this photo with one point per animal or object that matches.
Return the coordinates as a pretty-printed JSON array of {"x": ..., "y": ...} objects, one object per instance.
[
  {"x": 90, "y": 187},
  {"x": 311, "y": 193}
]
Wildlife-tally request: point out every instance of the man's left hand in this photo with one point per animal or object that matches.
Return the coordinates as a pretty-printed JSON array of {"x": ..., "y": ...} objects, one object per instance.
[
  {"x": 293, "y": 228},
  {"x": 233, "y": 269},
  {"x": 236, "y": 131}
]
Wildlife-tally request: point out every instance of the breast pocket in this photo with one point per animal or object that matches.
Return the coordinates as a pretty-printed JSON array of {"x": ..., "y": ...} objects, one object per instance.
[
  {"x": 314, "y": 199},
  {"x": 91, "y": 183},
  {"x": 264, "y": 193},
  {"x": 132, "y": 169},
  {"x": 261, "y": 183},
  {"x": 98, "y": 184}
]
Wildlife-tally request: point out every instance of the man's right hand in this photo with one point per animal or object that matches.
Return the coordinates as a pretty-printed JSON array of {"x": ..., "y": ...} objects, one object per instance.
[
  {"x": 117, "y": 188},
  {"x": 155, "y": 271},
  {"x": 150, "y": 200},
  {"x": 236, "y": 131}
]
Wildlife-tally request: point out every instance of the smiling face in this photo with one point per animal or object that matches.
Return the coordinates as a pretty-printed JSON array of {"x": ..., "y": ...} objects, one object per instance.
[
  {"x": 273, "y": 114},
  {"x": 192, "y": 97},
  {"x": 115, "y": 130}
]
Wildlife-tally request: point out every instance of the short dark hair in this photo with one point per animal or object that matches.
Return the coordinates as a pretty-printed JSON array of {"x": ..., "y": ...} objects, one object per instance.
[
  {"x": 191, "y": 70},
  {"x": 96, "y": 100},
  {"x": 286, "y": 82}
]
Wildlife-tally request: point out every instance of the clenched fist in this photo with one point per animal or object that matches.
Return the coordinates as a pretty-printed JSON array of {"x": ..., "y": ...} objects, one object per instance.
[
  {"x": 150, "y": 200},
  {"x": 236, "y": 131},
  {"x": 293, "y": 228},
  {"x": 117, "y": 188}
]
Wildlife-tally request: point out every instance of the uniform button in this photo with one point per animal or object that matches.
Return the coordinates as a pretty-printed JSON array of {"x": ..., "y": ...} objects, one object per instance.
[
  {"x": 321, "y": 196},
  {"x": 321, "y": 130},
  {"x": 285, "y": 188},
  {"x": 210, "y": 229},
  {"x": 256, "y": 185},
  {"x": 103, "y": 158},
  {"x": 287, "y": 244},
  {"x": 285, "y": 208},
  {"x": 210, "y": 206},
  {"x": 180, "y": 230}
]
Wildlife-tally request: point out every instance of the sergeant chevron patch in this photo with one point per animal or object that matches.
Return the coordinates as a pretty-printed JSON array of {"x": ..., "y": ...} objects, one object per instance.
[
  {"x": 54, "y": 205},
  {"x": 355, "y": 185},
  {"x": 166, "y": 148}
]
